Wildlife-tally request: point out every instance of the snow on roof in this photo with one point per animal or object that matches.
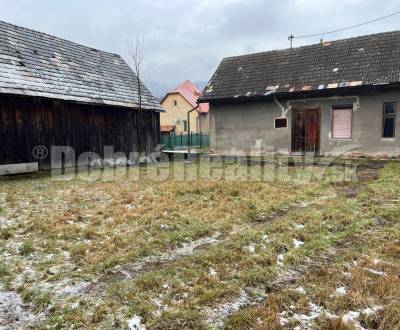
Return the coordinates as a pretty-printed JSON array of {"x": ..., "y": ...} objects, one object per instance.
[{"x": 37, "y": 64}]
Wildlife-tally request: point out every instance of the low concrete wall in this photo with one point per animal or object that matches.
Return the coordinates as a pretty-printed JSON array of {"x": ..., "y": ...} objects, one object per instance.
[
  {"x": 18, "y": 168},
  {"x": 248, "y": 126}
]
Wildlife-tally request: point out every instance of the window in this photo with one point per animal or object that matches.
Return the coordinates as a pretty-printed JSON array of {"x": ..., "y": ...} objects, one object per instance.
[
  {"x": 389, "y": 120},
  {"x": 185, "y": 126},
  {"x": 174, "y": 103},
  {"x": 280, "y": 122},
  {"x": 342, "y": 118}
]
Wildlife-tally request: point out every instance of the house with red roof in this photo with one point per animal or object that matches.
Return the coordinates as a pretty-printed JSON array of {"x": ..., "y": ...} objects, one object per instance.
[{"x": 177, "y": 103}]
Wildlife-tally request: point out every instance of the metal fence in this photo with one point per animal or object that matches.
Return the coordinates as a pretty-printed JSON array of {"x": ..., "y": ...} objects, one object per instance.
[{"x": 195, "y": 140}]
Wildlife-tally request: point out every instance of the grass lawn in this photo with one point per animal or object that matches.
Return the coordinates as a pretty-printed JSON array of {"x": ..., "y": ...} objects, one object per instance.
[{"x": 287, "y": 248}]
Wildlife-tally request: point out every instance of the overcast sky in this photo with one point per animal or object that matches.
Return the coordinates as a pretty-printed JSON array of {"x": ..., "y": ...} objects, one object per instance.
[{"x": 186, "y": 39}]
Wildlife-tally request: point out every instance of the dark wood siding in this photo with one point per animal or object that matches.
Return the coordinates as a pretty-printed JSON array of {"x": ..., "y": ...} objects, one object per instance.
[{"x": 27, "y": 122}]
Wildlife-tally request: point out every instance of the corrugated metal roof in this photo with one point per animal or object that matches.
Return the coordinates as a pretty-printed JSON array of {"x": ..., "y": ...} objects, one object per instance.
[
  {"x": 356, "y": 62},
  {"x": 191, "y": 94},
  {"x": 37, "y": 64}
]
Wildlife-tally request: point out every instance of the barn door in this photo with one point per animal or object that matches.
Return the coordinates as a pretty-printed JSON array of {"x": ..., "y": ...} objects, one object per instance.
[{"x": 305, "y": 131}]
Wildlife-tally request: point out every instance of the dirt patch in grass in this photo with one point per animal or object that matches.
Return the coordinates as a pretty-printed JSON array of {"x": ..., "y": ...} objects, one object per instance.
[{"x": 366, "y": 172}]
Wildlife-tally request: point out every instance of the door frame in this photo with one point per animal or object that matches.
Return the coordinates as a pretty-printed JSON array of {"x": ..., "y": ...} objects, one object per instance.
[{"x": 318, "y": 147}]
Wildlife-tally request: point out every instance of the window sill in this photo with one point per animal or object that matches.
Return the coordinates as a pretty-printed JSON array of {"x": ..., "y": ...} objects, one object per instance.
[
  {"x": 337, "y": 139},
  {"x": 388, "y": 139}
]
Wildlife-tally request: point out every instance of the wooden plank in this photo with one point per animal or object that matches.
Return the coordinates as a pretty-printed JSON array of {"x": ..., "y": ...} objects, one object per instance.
[
  {"x": 27, "y": 122},
  {"x": 12, "y": 169}
]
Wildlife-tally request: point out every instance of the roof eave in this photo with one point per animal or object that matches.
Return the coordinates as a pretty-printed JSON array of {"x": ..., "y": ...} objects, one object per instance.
[
  {"x": 298, "y": 94},
  {"x": 81, "y": 100}
]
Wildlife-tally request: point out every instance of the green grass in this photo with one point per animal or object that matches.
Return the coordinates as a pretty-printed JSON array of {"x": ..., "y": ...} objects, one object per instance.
[
  {"x": 4, "y": 270},
  {"x": 26, "y": 248}
]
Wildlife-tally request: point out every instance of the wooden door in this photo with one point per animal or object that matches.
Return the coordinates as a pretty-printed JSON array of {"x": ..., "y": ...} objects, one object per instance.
[{"x": 305, "y": 131}]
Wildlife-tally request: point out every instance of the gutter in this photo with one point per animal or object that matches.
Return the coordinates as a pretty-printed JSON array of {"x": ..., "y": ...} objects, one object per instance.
[{"x": 298, "y": 94}]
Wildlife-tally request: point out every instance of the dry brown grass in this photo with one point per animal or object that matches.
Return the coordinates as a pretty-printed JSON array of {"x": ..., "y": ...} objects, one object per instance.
[{"x": 62, "y": 234}]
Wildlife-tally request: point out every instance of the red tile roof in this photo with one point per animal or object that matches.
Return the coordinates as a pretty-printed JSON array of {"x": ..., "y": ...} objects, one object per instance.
[
  {"x": 190, "y": 93},
  {"x": 167, "y": 128}
]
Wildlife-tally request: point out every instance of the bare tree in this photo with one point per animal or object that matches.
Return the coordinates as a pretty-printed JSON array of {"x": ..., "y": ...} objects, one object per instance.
[{"x": 135, "y": 58}]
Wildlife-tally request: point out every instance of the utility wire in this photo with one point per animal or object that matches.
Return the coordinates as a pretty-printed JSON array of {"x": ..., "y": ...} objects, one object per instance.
[{"x": 346, "y": 28}]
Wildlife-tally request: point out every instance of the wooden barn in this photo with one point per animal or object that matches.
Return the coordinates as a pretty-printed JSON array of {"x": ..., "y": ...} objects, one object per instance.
[{"x": 55, "y": 92}]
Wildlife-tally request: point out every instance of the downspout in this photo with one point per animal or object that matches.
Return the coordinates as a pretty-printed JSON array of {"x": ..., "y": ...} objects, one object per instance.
[{"x": 189, "y": 135}]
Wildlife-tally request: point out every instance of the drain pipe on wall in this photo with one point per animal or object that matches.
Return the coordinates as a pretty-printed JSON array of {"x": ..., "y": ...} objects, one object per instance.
[{"x": 189, "y": 134}]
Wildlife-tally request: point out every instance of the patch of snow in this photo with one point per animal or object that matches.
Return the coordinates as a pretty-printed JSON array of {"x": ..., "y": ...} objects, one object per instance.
[
  {"x": 328, "y": 197},
  {"x": 300, "y": 290},
  {"x": 376, "y": 261},
  {"x": 306, "y": 319},
  {"x": 4, "y": 222},
  {"x": 74, "y": 306},
  {"x": 376, "y": 272},
  {"x": 304, "y": 204},
  {"x": 160, "y": 307},
  {"x": 265, "y": 238},
  {"x": 282, "y": 319},
  {"x": 66, "y": 255},
  {"x": 350, "y": 316},
  {"x": 14, "y": 314},
  {"x": 298, "y": 226},
  {"x": 341, "y": 291},
  {"x": 54, "y": 270},
  {"x": 280, "y": 259},
  {"x": 75, "y": 289},
  {"x": 212, "y": 272},
  {"x": 251, "y": 248},
  {"x": 372, "y": 310},
  {"x": 297, "y": 244},
  {"x": 220, "y": 313},
  {"x": 135, "y": 323},
  {"x": 164, "y": 227}
]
